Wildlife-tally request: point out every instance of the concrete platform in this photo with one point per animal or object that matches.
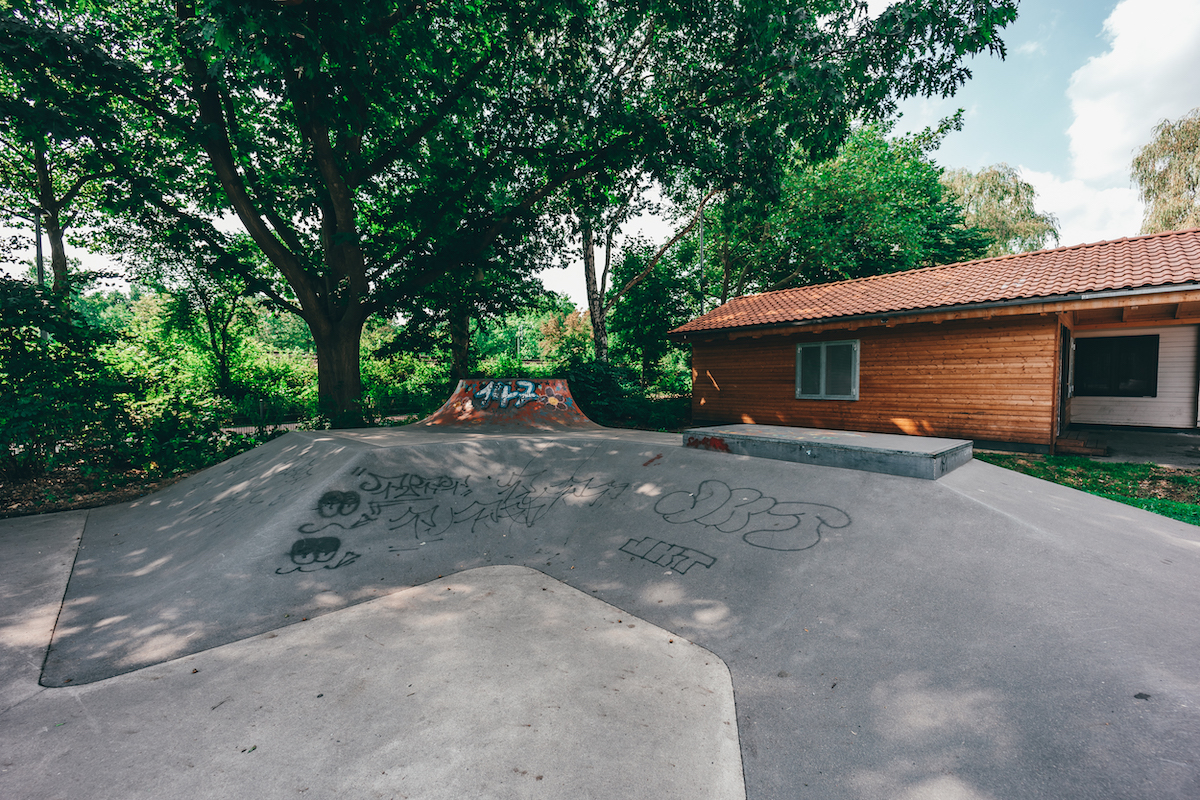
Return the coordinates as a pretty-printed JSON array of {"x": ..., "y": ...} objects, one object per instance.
[
  {"x": 982, "y": 636},
  {"x": 892, "y": 454}
]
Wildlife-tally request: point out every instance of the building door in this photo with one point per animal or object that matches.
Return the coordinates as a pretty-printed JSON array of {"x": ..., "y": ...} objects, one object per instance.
[{"x": 1065, "y": 387}]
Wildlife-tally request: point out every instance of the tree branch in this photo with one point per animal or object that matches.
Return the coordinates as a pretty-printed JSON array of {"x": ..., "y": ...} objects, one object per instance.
[{"x": 661, "y": 252}]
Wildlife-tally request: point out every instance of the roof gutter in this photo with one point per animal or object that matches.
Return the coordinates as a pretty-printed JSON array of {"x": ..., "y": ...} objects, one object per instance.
[{"x": 912, "y": 312}]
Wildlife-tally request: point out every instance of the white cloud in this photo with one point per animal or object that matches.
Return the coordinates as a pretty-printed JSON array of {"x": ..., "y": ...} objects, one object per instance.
[
  {"x": 1032, "y": 47},
  {"x": 1150, "y": 72},
  {"x": 1086, "y": 213}
]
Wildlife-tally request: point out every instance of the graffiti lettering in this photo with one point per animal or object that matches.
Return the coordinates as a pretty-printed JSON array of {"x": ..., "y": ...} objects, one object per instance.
[
  {"x": 763, "y": 521},
  {"x": 672, "y": 556},
  {"x": 518, "y": 393},
  {"x": 394, "y": 487},
  {"x": 522, "y": 499},
  {"x": 422, "y": 508}
]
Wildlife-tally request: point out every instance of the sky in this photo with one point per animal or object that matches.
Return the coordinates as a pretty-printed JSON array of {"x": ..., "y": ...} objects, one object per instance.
[
  {"x": 1082, "y": 86},
  {"x": 1081, "y": 89}
]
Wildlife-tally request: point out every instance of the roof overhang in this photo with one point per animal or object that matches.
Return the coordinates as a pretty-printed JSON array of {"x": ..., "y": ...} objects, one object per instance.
[{"x": 1109, "y": 298}]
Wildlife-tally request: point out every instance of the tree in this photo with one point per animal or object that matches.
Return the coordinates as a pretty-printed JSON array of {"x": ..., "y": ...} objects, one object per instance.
[
  {"x": 371, "y": 147},
  {"x": 45, "y": 180},
  {"x": 877, "y": 206},
  {"x": 601, "y": 207},
  {"x": 996, "y": 202},
  {"x": 58, "y": 401},
  {"x": 1167, "y": 173},
  {"x": 665, "y": 299}
]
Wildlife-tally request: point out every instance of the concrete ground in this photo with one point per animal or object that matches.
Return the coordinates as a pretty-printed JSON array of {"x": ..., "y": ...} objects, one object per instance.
[
  {"x": 1169, "y": 448},
  {"x": 399, "y": 613}
]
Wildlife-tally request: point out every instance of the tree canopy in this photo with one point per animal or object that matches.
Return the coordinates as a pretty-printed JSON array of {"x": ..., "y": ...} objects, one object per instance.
[
  {"x": 996, "y": 202},
  {"x": 877, "y": 206},
  {"x": 1167, "y": 173},
  {"x": 370, "y": 148}
]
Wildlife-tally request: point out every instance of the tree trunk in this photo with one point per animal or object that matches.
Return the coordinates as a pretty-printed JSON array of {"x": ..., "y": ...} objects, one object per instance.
[
  {"x": 339, "y": 381},
  {"x": 58, "y": 254},
  {"x": 460, "y": 342},
  {"x": 725, "y": 276},
  {"x": 51, "y": 208},
  {"x": 596, "y": 309}
]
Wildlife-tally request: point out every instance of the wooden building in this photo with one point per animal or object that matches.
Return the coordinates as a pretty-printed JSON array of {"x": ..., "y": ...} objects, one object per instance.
[{"x": 1010, "y": 349}]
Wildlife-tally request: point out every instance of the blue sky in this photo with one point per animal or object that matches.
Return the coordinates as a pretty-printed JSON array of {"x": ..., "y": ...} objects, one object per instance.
[{"x": 1082, "y": 87}]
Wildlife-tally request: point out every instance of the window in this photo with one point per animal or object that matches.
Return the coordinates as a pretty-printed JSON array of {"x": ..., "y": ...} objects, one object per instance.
[
  {"x": 827, "y": 371},
  {"x": 1117, "y": 366}
]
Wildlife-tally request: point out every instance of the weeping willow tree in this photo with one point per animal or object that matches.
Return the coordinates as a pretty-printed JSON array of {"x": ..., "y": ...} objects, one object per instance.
[
  {"x": 1167, "y": 173},
  {"x": 996, "y": 202}
]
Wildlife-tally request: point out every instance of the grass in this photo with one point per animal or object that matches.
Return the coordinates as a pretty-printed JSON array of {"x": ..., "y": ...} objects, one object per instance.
[{"x": 1171, "y": 492}]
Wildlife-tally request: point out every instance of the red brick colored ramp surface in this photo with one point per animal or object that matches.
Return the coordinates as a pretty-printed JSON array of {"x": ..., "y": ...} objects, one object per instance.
[{"x": 516, "y": 403}]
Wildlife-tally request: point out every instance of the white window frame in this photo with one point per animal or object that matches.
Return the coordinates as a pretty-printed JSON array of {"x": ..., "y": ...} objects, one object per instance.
[{"x": 822, "y": 347}]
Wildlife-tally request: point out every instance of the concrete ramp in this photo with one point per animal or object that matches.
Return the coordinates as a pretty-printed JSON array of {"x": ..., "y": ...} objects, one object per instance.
[
  {"x": 511, "y": 404},
  {"x": 985, "y": 635}
]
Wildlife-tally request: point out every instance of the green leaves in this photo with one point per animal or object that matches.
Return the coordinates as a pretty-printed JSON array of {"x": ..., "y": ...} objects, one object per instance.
[
  {"x": 371, "y": 149},
  {"x": 1167, "y": 173},
  {"x": 997, "y": 203},
  {"x": 58, "y": 402},
  {"x": 875, "y": 207}
]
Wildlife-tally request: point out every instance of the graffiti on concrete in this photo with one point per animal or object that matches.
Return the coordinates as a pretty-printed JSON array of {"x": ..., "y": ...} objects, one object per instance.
[
  {"x": 762, "y": 521},
  {"x": 420, "y": 509},
  {"x": 338, "y": 504},
  {"x": 525, "y": 497},
  {"x": 312, "y": 554},
  {"x": 518, "y": 393},
  {"x": 672, "y": 556}
]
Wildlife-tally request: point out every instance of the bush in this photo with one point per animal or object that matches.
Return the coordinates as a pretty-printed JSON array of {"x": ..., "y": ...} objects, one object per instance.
[
  {"x": 610, "y": 394},
  {"x": 173, "y": 434},
  {"x": 58, "y": 402}
]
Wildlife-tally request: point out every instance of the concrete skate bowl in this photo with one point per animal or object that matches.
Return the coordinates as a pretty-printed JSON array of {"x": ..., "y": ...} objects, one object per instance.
[
  {"x": 886, "y": 636},
  {"x": 510, "y": 404}
]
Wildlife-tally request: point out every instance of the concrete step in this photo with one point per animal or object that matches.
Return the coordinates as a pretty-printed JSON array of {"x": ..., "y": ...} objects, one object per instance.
[{"x": 893, "y": 454}]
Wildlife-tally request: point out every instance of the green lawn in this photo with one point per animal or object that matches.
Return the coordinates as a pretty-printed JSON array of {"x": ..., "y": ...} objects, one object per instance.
[{"x": 1171, "y": 492}]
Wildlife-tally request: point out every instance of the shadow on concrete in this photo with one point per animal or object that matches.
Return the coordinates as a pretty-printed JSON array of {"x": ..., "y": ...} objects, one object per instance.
[{"x": 986, "y": 635}]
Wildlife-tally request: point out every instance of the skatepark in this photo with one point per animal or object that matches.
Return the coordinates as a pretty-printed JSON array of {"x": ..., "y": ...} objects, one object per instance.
[{"x": 510, "y": 601}]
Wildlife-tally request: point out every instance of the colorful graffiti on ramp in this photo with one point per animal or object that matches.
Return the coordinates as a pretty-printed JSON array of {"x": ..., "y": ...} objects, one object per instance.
[{"x": 517, "y": 403}]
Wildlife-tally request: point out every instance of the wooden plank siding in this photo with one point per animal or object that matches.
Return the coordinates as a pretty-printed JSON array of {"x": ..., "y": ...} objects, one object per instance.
[
  {"x": 980, "y": 379},
  {"x": 1175, "y": 404}
]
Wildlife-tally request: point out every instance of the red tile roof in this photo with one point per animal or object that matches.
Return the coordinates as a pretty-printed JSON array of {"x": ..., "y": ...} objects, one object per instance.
[{"x": 1160, "y": 259}]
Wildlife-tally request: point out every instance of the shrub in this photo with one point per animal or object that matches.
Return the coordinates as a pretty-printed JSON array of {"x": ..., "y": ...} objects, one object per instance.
[{"x": 58, "y": 402}]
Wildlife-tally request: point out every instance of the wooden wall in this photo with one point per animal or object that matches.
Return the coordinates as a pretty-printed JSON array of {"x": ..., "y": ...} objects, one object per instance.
[
  {"x": 986, "y": 379},
  {"x": 1175, "y": 404}
]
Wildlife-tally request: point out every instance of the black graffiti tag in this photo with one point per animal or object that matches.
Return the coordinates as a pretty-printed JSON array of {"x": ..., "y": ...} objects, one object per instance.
[
  {"x": 523, "y": 499},
  {"x": 762, "y": 521},
  {"x": 337, "y": 504},
  {"x": 422, "y": 508},
  {"x": 411, "y": 485},
  {"x": 665, "y": 554},
  {"x": 316, "y": 553}
]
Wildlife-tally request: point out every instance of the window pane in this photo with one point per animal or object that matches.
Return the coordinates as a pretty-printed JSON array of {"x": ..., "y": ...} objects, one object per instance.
[
  {"x": 839, "y": 369},
  {"x": 810, "y": 370},
  {"x": 1117, "y": 366}
]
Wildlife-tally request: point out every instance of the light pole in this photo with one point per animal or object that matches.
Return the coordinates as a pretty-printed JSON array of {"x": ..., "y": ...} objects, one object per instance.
[{"x": 37, "y": 234}]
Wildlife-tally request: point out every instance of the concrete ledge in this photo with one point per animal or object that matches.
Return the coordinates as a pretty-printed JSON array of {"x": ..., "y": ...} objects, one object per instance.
[{"x": 912, "y": 456}]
